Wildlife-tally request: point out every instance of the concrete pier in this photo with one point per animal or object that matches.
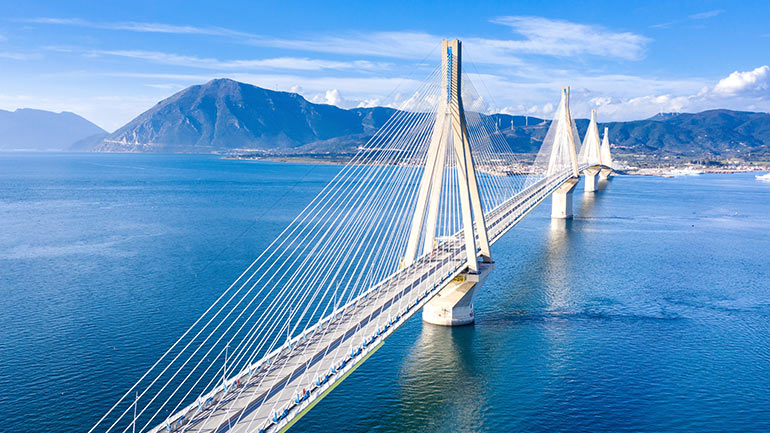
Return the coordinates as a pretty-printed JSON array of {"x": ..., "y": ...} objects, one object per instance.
[
  {"x": 591, "y": 184},
  {"x": 453, "y": 305},
  {"x": 562, "y": 200}
]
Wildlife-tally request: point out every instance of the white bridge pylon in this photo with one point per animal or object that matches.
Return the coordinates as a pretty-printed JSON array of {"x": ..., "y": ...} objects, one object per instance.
[
  {"x": 605, "y": 155},
  {"x": 451, "y": 128},
  {"x": 559, "y": 148},
  {"x": 454, "y": 304},
  {"x": 590, "y": 154}
]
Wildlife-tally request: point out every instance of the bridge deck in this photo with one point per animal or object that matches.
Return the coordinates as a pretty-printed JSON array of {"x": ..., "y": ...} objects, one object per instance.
[{"x": 271, "y": 399}]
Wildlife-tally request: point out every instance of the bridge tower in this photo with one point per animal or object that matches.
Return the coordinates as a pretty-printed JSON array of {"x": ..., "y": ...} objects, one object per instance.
[
  {"x": 565, "y": 137},
  {"x": 453, "y": 305},
  {"x": 605, "y": 155},
  {"x": 590, "y": 154}
]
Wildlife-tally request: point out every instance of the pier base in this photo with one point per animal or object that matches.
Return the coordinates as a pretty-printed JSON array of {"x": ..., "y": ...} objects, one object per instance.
[
  {"x": 453, "y": 305},
  {"x": 605, "y": 174},
  {"x": 562, "y": 200},
  {"x": 590, "y": 180}
]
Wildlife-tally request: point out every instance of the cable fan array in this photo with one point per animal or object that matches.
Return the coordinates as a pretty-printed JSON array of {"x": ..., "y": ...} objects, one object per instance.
[
  {"x": 555, "y": 156},
  {"x": 343, "y": 250},
  {"x": 590, "y": 151}
]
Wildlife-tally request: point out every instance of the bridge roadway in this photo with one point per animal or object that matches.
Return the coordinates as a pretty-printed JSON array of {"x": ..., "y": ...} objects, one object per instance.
[{"x": 321, "y": 357}]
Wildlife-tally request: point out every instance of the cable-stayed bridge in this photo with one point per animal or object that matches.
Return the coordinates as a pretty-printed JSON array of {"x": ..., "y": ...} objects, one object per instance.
[{"x": 406, "y": 225}]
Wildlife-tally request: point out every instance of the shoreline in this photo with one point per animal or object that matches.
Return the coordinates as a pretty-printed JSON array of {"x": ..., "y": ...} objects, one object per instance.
[
  {"x": 692, "y": 171},
  {"x": 671, "y": 171}
]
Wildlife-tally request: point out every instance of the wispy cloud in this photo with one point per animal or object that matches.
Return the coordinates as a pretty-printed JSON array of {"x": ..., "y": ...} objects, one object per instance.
[
  {"x": 541, "y": 36},
  {"x": 19, "y": 56},
  {"x": 545, "y": 54},
  {"x": 708, "y": 14},
  {"x": 403, "y": 45},
  {"x": 289, "y": 63},
  {"x": 165, "y": 86},
  {"x": 142, "y": 27},
  {"x": 694, "y": 17},
  {"x": 545, "y": 36}
]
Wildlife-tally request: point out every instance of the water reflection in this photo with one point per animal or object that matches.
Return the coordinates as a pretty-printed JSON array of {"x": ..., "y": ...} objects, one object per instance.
[
  {"x": 589, "y": 200},
  {"x": 440, "y": 382},
  {"x": 557, "y": 265}
]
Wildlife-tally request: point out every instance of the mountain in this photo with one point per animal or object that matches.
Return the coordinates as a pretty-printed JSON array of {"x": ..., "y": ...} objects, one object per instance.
[
  {"x": 223, "y": 115},
  {"x": 29, "y": 129},
  {"x": 226, "y": 116},
  {"x": 708, "y": 134},
  {"x": 230, "y": 117}
]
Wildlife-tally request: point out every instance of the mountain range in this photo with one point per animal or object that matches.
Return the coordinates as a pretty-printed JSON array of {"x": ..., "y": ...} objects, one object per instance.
[
  {"x": 28, "y": 129},
  {"x": 226, "y": 116}
]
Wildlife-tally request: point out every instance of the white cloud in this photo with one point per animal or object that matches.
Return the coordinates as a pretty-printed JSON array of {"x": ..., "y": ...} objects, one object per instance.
[
  {"x": 331, "y": 97},
  {"x": 617, "y": 97},
  {"x": 17, "y": 56},
  {"x": 292, "y": 63},
  {"x": 165, "y": 86},
  {"x": 371, "y": 102},
  {"x": 739, "y": 91},
  {"x": 141, "y": 27},
  {"x": 531, "y": 86},
  {"x": 639, "y": 107},
  {"x": 403, "y": 45},
  {"x": 542, "y": 36},
  {"x": 694, "y": 17},
  {"x": 707, "y": 14},
  {"x": 564, "y": 38},
  {"x": 756, "y": 82}
]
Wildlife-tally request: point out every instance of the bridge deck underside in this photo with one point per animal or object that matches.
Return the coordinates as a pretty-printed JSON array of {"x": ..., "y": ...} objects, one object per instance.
[{"x": 267, "y": 399}]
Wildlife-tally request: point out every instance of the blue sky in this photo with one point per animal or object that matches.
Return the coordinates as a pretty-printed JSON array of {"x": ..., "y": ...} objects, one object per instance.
[{"x": 109, "y": 61}]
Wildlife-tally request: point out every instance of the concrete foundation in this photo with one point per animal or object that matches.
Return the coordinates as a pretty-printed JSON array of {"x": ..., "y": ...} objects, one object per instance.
[
  {"x": 453, "y": 305},
  {"x": 591, "y": 184},
  {"x": 605, "y": 173},
  {"x": 562, "y": 200}
]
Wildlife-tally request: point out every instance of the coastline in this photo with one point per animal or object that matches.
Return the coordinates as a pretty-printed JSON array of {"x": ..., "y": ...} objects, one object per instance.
[{"x": 623, "y": 169}]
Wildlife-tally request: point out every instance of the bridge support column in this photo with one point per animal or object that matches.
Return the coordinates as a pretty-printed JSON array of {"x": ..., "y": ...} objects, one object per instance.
[
  {"x": 453, "y": 305},
  {"x": 605, "y": 173},
  {"x": 562, "y": 200},
  {"x": 590, "y": 179}
]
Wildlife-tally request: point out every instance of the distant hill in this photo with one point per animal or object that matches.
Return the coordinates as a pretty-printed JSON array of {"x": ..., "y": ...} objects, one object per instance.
[
  {"x": 223, "y": 115},
  {"x": 227, "y": 116},
  {"x": 713, "y": 133},
  {"x": 39, "y": 130}
]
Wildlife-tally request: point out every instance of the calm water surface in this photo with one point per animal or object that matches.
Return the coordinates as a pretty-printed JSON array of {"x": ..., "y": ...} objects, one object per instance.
[{"x": 650, "y": 311}]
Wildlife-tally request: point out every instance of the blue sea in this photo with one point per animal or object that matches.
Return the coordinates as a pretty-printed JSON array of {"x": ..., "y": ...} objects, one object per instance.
[{"x": 649, "y": 312}]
